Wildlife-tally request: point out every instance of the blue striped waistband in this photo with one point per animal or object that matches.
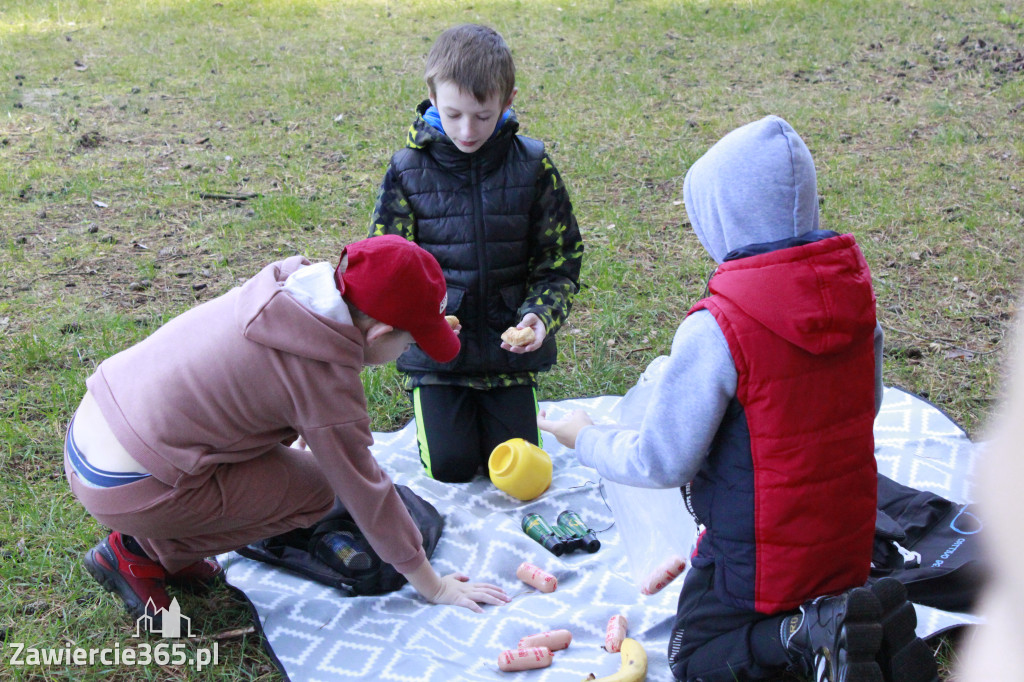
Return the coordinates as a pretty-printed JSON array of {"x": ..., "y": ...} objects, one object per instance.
[{"x": 93, "y": 475}]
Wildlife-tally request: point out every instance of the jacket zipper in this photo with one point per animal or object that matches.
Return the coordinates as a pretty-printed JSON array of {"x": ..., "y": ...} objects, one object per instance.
[
  {"x": 481, "y": 253},
  {"x": 687, "y": 492}
]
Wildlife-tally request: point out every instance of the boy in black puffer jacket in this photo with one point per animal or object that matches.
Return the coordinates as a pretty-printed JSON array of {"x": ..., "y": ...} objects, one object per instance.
[{"x": 493, "y": 210}]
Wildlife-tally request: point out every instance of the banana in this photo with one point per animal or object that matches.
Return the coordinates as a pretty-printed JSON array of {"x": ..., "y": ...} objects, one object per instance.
[{"x": 634, "y": 664}]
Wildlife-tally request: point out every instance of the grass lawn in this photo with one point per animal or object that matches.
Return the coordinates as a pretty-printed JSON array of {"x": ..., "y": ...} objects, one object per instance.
[{"x": 153, "y": 153}]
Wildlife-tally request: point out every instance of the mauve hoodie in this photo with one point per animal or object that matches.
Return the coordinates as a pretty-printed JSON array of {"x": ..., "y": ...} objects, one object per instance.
[{"x": 245, "y": 372}]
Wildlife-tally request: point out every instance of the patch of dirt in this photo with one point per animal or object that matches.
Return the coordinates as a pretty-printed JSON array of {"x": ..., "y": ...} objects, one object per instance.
[
  {"x": 975, "y": 53},
  {"x": 91, "y": 139},
  {"x": 120, "y": 258}
]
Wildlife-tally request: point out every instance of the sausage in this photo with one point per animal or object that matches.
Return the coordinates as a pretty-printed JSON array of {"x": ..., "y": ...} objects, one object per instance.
[
  {"x": 511, "y": 660},
  {"x": 615, "y": 633},
  {"x": 536, "y": 577},
  {"x": 666, "y": 572},
  {"x": 555, "y": 640}
]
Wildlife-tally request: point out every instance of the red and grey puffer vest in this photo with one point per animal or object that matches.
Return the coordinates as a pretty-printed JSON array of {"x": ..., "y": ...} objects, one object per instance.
[{"x": 789, "y": 488}]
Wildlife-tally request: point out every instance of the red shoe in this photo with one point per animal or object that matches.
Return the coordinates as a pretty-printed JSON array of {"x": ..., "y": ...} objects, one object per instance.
[
  {"x": 201, "y": 574},
  {"x": 138, "y": 580}
]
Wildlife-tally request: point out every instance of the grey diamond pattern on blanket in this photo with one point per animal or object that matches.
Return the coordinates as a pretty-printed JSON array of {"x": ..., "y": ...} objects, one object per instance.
[{"x": 318, "y": 634}]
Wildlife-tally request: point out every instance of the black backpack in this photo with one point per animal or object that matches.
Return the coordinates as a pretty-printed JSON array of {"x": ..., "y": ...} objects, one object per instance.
[
  {"x": 324, "y": 551},
  {"x": 930, "y": 544}
]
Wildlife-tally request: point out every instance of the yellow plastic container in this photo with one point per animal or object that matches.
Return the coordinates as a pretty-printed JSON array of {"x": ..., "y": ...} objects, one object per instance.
[{"x": 520, "y": 468}]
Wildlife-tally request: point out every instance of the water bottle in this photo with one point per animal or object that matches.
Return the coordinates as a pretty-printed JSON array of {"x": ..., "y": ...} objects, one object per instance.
[{"x": 344, "y": 552}]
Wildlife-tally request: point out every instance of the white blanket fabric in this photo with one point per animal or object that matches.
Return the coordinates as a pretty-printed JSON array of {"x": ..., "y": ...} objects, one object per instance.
[{"x": 318, "y": 634}]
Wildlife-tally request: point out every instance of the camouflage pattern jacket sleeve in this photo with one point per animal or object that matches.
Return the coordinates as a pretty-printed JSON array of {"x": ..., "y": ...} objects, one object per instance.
[
  {"x": 392, "y": 213},
  {"x": 556, "y": 254}
]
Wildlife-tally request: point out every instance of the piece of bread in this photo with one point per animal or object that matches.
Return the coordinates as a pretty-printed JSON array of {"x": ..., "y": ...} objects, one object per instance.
[
  {"x": 518, "y": 337},
  {"x": 452, "y": 321}
]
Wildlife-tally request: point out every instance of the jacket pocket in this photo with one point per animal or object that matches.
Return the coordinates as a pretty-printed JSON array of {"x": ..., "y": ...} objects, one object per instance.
[
  {"x": 455, "y": 296},
  {"x": 512, "y": 296}
]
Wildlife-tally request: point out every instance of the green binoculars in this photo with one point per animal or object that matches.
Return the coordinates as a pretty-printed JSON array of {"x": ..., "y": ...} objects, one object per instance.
[{"x": 567, "y": 535}]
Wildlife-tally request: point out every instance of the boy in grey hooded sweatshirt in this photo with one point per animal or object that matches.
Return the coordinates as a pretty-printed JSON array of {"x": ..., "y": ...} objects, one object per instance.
[{"x": 764, "y": 417}]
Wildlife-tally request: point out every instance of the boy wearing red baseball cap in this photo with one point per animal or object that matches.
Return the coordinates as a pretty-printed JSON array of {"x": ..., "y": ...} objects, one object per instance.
[{"x": 180, "y": 443}]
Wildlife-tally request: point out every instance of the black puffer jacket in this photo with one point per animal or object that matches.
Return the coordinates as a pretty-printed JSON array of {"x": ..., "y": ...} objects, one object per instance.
[{"x": 486, "y": 218}]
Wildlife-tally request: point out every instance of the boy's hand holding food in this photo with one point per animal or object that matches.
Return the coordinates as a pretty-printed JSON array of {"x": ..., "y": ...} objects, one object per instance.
[{"x": 526, "y": 337}]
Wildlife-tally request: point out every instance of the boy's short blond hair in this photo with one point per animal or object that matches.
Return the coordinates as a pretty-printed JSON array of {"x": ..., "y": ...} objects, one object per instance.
[{"x": 475, "y": 58}]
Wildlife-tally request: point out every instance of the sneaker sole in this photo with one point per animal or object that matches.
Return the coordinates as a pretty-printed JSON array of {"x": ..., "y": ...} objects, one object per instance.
[
  {"x": 860, "y": 639},
  {"x": 903, "y": 656},
  {"x": 115, "y": 584}
]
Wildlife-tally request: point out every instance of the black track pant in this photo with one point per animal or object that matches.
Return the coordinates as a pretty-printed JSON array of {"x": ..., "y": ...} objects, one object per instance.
[
  {"x": 457, "y": 427},
  {"x": 715, "y": 642}
]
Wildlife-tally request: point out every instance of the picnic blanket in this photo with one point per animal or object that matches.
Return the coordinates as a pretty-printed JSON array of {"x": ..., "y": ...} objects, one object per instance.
[{"x": 318, "y": 634}]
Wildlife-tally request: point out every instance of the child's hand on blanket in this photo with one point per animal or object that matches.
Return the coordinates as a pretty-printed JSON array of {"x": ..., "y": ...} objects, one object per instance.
[
  {"x": 454, "y": 589},
  {"x": 567, "y": 430}
]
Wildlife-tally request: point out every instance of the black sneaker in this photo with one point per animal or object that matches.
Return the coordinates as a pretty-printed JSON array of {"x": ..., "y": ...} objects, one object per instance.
[
  {"x": 903, "y": 656},
  {"x": 836, "y": 639}
]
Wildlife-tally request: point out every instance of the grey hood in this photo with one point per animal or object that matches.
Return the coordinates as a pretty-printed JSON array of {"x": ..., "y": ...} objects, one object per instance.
[{"x": 757, "y": 184}]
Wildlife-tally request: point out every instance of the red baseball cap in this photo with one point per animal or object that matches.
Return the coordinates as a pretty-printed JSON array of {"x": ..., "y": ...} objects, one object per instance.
[{"x": 397, "y": 282}]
